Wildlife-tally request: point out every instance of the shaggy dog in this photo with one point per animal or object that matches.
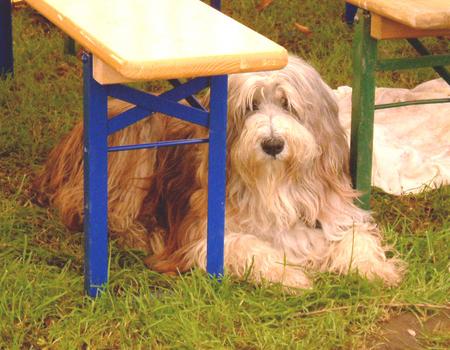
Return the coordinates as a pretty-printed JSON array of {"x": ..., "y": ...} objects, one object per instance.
[{"x": 289, "y": 200}]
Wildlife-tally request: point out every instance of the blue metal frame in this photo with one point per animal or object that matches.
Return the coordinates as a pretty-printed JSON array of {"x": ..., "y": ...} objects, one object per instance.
[
  {"x": 159, "y": 144},
  {"x": 135, "y": 114},
  {"x": 216, "y": 4},
  {"x": 192, "y": 100},
  {"x": 217, "y": 175},
  {"x": 97, "y": 127},
  {"x": 6, "y": 45},
  {"x": 95, "y": 181},
  {"x": 350, "y": 13},
  {"x": 158, "y": 104}
]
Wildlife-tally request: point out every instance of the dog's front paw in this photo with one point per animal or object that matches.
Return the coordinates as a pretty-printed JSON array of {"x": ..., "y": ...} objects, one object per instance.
[
  {"x": 390, "y": 271},
  {"x": 370, "y": 265},
  {"x": 290, "y": 277},
  {"x": 363, "y": 252}
]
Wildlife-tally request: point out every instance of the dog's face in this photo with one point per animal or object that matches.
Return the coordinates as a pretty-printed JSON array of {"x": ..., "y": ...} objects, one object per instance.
[{"x": 283, "y": 124}]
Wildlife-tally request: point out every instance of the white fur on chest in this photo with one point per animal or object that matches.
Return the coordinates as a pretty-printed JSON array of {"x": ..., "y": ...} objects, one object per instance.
[{"x": 273, "y": 213}]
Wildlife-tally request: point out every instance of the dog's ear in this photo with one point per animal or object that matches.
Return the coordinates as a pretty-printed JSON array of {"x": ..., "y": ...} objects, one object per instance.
[{"x": 315, "y": 104}]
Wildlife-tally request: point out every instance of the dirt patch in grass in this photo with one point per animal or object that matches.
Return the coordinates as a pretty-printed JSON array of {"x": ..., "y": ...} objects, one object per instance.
[{"x": 409, "y": 331}]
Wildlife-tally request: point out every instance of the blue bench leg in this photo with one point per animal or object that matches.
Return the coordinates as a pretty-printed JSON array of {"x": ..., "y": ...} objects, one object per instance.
[
  {"x": 217, "y": 175},
  {"x": 95, "y": 181},
  {"x": 216, "y": 4},
  {"x": 6, "y": 46},
  {"x": 350, "y": 13}
]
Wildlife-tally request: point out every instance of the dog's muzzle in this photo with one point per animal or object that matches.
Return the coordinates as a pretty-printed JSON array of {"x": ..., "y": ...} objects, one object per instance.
[{"x": 272, "y": 146}]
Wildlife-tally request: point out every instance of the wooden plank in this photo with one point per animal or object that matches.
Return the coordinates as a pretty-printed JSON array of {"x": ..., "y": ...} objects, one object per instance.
[
  {"x": 384, "y": 28},
  {"x": 105, "y": 74},
  {"x": 154, "y": 39},
  {"x": 421, "y": 14}
]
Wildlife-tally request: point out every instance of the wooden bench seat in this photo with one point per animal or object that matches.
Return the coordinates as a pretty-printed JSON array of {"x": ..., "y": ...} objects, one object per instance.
[
  {"x": 407, "y": 18},
  {"x": 161, "y": 39},
  {"x": 419, "y": 14}
]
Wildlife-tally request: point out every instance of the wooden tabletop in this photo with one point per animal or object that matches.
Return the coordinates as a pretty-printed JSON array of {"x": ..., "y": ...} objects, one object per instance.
[
  {"x": 423, "y": 14},
  {"x": 161, "y": 39}
]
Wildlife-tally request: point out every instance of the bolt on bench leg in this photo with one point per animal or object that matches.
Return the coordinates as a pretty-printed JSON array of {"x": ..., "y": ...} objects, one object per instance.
[
  {"x": 363, "y": 98},
  {"x": 95, "y": 181}
]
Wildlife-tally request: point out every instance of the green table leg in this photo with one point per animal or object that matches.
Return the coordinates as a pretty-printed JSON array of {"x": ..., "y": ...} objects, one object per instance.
[{"x": 363, "y": 98}]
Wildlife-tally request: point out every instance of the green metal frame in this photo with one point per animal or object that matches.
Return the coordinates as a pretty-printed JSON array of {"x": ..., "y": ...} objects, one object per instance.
[
  {"x": 363, "y": 100},
  {"x": 365, "y": 64}
]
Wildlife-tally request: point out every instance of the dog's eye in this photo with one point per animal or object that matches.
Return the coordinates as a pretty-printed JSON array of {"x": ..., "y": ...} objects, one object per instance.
[{"x": 284, "y": 103}]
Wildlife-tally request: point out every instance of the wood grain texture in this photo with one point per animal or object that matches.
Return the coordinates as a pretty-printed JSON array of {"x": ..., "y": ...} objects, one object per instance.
[
  {"x": 383, "y": 28},
  {"x": 421, "y": 14},
  {"x": 154, "y": 39},
  {"x": 105, "y": 74}
]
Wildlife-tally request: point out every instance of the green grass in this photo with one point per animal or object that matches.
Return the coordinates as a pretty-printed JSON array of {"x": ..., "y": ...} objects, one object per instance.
[{"x": 42, "y": 305}]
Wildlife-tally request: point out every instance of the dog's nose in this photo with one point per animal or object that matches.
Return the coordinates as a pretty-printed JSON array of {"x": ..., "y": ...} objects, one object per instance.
[{"x": 272, "y": 146}]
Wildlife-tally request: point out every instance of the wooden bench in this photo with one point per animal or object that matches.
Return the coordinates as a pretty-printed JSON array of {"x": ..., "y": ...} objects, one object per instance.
[
  {"x": 383, "y": 20},
  {"x": 139, "y": 40}
]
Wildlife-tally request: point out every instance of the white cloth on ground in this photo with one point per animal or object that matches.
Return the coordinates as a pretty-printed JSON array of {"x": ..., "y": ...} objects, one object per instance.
[{"x": 411, "y": 149}]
